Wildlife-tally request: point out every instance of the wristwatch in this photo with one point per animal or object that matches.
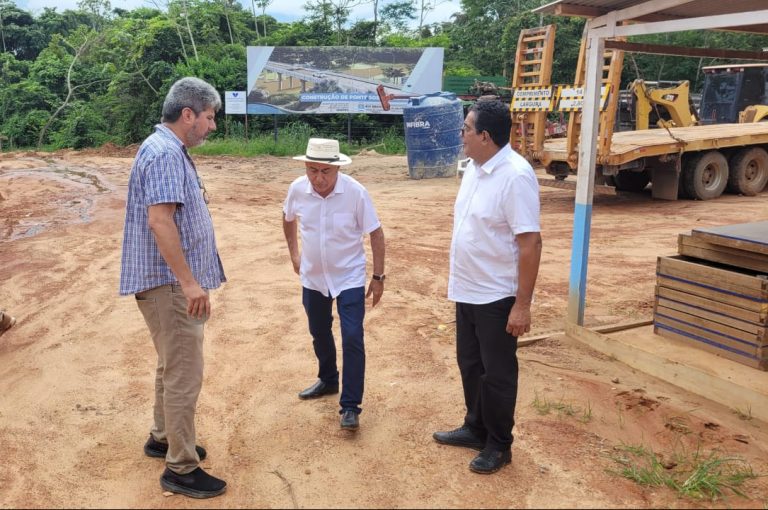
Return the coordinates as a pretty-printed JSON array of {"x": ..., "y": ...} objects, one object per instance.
[{"x": 379, "y": 277}]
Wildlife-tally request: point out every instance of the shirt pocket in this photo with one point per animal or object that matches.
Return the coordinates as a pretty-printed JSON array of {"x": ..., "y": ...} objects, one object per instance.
[{"x": 343, "y": 223}]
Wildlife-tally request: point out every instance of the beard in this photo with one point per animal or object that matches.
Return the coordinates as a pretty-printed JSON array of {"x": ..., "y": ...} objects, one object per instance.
[{"x": 197, "y": 140}]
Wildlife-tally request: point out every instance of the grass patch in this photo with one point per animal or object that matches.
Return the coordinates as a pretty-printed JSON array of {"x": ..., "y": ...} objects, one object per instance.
[
  {"x": 697, "y": 475},
  {"x": 292, "y": 141},
  {"x": 545, "y": 406}
]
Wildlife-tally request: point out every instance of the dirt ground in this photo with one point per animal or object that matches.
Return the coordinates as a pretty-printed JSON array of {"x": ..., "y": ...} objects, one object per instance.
[{"x": 76, "y": 372}]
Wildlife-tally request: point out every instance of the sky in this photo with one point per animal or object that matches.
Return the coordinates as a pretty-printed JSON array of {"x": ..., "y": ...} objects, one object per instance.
[{"x": 282, "y": 10}]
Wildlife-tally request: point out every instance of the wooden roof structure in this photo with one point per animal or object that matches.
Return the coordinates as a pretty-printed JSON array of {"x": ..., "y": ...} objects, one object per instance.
[{"x": 686, "y": 12}]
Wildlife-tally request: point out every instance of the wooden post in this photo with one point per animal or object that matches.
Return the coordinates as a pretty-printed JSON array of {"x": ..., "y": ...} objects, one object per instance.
[
  {"x": 275, "y": 130},
  {"x": 246, "y": 126},
  {"x": 349, "y": 129}
]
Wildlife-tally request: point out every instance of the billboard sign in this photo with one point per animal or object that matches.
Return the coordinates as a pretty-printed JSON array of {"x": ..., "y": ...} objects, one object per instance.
[{"x": 338, "y": 79}]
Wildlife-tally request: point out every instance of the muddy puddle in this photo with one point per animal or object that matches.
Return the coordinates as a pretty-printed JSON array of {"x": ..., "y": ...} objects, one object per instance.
[{"x": 41, "y": 195}]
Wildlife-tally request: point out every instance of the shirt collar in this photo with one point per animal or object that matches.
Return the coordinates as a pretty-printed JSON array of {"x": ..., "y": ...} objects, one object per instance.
[
  {"x": 168, "y": 133},
  {"x": 489, "y": 166},
  {"x": 339, "y": 188}
]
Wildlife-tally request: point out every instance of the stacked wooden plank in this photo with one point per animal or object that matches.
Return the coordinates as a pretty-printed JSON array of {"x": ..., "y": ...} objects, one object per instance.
[{"x": 714, "y": 294}]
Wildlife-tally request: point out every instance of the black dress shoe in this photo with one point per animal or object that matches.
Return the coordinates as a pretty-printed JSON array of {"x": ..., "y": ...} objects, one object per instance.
[
  {"x": 157, "y": 449},
  {"x": 195, "y": 484},
  {"x": 318, "y": 390},
  {"x": 461, "y": 436},
  {"x": 350, "y": 420},
  {"x": 490, "y": 461}
]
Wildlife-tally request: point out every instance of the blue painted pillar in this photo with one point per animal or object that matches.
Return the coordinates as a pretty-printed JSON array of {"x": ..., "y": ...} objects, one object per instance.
[{"x": 585, "y": 180}]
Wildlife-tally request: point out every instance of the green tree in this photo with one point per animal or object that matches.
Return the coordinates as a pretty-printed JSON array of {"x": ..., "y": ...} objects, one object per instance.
[
  {"x": 19, "y": 33},
  {"x": 97, "y": 10},
  {"x": 261, "y": 4},
  {"x": 397, "y": 15}
]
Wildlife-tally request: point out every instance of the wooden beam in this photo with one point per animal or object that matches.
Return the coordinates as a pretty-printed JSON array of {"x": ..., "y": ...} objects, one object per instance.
[
  {"x": 558, "y": 8},
  {"x": 611, "y": 328},
  {"x": 578, "y": 11},
  {"x": 661, "y": 49},
  {"x": 646, "y": 8},
  {"x": 722, "y": 21},
  {"x": 710, "y": 376}
]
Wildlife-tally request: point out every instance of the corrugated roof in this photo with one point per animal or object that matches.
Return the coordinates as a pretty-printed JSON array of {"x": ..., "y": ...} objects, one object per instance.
[{"x": 692, "y": 9}]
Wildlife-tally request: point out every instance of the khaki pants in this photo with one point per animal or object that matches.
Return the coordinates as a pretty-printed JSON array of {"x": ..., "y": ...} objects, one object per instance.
[{"x": 178, "y": 341}]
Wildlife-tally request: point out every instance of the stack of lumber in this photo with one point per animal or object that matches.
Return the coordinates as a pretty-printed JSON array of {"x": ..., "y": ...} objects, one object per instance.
[{"x": 714, "y": 294}]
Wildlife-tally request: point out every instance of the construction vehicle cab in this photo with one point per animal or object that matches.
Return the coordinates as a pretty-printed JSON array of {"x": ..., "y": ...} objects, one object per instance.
[{"x": 730, "y": 89}]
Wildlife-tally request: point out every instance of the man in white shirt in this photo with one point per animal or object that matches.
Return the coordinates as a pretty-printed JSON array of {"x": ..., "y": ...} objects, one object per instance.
[
  {"x": 494, "y": 262},
  {"x": 334, "y": 212}
]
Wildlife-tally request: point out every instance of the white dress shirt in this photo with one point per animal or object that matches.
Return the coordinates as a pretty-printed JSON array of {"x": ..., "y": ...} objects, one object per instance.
[
  {"x": 332, "y": 230},
  {"x": 496, "y": 202}
]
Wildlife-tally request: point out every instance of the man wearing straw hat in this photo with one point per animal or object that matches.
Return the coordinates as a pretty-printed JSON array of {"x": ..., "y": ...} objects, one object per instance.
[{"x": 334, "y": 212}]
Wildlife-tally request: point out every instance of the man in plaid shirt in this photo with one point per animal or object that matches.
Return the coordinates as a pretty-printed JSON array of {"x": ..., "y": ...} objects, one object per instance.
[{"x": 169, "y": 263}]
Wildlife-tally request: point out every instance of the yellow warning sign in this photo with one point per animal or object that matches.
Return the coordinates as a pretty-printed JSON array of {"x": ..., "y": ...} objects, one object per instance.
[
  {"x": 533, "y": 99},
  {"x": 571, "y": 98}
]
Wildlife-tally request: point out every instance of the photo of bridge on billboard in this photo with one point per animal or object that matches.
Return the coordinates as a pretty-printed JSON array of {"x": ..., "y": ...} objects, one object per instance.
[{"x": 338, "y": 79}]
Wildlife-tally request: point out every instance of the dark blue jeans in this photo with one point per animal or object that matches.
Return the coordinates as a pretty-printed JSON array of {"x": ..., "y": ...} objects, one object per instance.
[{"x": 350, "y": 305}]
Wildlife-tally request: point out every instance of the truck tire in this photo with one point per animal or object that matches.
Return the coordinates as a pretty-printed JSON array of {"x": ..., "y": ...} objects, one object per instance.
[
  {"x": 627, "y": 180},
  {"x": 705, "y": 175},
  {"x": 748, "y": 171}
]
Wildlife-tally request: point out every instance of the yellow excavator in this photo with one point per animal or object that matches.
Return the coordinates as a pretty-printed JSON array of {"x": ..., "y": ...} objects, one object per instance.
[
  {"x": 672, "y": 106},
  {"x": 733, "y": 93}
]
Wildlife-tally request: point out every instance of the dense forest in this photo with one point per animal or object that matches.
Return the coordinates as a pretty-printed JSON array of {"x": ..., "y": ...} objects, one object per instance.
[{"x": 84, "y": 77}]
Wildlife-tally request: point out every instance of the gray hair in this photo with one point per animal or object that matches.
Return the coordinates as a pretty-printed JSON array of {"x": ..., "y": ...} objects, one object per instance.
[{"x": 192, "y": 93}]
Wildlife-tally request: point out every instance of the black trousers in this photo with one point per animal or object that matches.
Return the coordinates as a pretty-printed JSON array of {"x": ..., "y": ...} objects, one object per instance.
[{"x": 487, "y": 357}]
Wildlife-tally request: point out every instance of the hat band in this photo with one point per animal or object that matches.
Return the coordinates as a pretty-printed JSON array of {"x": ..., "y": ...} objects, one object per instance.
[{"x": 335, "y": 158}]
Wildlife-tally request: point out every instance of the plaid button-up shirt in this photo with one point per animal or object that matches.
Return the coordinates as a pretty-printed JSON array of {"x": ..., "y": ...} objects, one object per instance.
[{"x": 163, "y": 173}]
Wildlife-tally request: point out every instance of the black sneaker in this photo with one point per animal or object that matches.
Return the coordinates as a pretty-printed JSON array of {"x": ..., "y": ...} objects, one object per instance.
[
  {"x": 490, "y": 461},
  {"x": 195, "y": 484},
  {"x": 461, "y": 436},
  {"x": 153, "y": 448}
]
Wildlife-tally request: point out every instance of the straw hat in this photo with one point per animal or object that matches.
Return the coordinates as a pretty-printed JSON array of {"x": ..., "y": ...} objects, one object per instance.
[{"x": 321, "y": 150}]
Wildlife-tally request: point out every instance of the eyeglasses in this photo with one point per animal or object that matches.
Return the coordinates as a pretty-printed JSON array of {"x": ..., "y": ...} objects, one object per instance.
[
  {"x": 206, "y": 197},
  {"x": 468, "y": 129}
]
